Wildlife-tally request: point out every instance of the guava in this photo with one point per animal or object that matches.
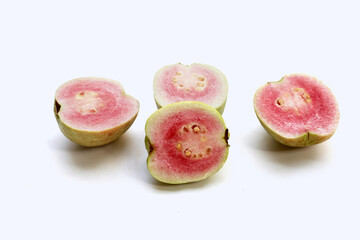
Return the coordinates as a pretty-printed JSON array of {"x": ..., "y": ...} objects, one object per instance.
[
  {"x": 94, "y": 111},
  {"x": 195, "y": 82},
  {"x": 186, "y": 141},
  {"x": 297, "y": 111}
]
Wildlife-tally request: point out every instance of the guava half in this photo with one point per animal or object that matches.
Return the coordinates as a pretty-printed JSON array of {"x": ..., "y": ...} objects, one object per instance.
[
  {"x": 297, "y": 111},
  {"x": 186, "y": 141},
  {"x": 94, "y": 111},
  {"x": 195, "y": 82}
]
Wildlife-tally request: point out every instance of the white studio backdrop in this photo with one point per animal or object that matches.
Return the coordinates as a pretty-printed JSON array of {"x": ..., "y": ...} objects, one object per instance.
[{"x": 53, "y": 189}]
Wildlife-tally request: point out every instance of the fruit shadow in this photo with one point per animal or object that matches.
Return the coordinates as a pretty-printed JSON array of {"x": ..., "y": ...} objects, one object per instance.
[
  {"x": 277, "y": 153},
  {"x": 91, "y": 158},
  {"x": 126, "y": 156}
]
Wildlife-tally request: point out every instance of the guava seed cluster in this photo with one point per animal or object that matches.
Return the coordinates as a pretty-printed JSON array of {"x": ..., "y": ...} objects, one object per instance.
[
  {"x": 192, "y": 141},
  {"x": 193, "y": 82},
  {"x": 296, "y": 99},
  {"x": 88, "y": 102}
]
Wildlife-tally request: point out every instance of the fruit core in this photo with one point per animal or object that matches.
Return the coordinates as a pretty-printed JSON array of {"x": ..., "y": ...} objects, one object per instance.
[
  {"x": 189, "y": 81},
  {"x": 194, "y": 82},
  {"x": 193, "y": 141},
  {"x": 88, "y": 102},
  {"x": 296, "y": 100}
]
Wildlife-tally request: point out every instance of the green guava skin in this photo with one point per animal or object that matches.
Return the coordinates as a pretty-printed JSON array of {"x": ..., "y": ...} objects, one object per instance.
[
  {"x": 303, "y": 140},
  {"x": 151, "y": 150}
]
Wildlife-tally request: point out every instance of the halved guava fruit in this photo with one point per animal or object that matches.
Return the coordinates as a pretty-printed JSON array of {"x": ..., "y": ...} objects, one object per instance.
[
  {"x": 297, "y": 111},
  {"x": 94, "y": 111},
  {"x": 186, "y": 142},
  {"x": 195, "y": 82}
]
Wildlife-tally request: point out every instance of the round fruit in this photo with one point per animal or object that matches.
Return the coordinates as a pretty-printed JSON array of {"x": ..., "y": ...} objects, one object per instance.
[
  {"x": 195, "y": 82},
  {"x": 186, "y": 142},
  {"x": 297, "y": 111},
  {"x": 94, "y": 111}
]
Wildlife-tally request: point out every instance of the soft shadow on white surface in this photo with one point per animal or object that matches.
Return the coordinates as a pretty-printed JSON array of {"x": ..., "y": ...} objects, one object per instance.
[
  {"x": 260, "y": 141},
  {"x": 87, "y": 158},
  {"x": 125, "y": 156}
]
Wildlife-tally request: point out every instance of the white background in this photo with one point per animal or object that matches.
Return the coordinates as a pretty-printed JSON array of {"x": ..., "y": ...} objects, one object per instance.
[{"x": 53, "y": 189}]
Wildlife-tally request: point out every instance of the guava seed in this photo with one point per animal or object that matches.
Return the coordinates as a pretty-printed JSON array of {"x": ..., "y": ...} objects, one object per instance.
[
  {"x": 279, "y": 102},
  {"x": 178, "y": 146},
  {"x": 196, "y": 128}
]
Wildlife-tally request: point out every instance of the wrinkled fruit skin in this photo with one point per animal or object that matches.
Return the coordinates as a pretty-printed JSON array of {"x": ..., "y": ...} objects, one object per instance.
[
  {"x": 104, "y": 135},
  {"x": 178, "y": 133},
  {"x": 307, "y": 138}
]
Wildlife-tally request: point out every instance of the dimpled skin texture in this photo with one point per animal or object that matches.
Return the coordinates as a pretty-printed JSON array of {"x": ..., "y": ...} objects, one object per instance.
[
  {"x": 94, "y": 111},
  {"x": 297, "y": 111},
  {"x": 186, "y": 141}
]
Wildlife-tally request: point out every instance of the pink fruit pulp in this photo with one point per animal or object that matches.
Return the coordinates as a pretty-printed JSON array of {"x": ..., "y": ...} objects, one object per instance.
[
  {"x": 170, "y": 155},
  {"x": 176, "y": 94},
  {"x": 93, "y": 104},
  {"x": 296, "y": 105},
  {"x": 196, "y": 82}
]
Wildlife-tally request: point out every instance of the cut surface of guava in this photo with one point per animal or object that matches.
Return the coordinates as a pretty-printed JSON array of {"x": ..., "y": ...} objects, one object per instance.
[
  {"x": 94, "y": 106},
  {"x": 195, "y": 82},
  {"x": 298, "y": 110},
  {"x": 186, "y": 141}
]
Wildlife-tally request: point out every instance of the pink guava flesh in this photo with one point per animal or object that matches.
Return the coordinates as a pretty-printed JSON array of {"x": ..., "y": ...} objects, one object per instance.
[
  {"x": 186, "y": 145},
  {"x": 94, "y": 104},
  {"x": 196, "y": 82},
  {"x": 296, "y": 105}
]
